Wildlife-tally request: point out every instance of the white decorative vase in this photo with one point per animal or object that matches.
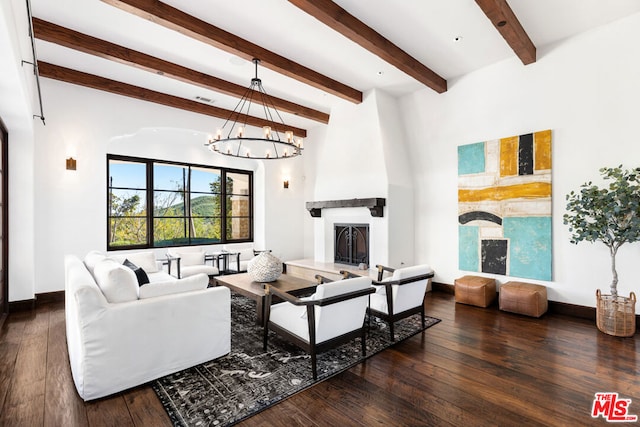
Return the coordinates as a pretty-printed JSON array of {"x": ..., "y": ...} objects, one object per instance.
[{"x": 264, "y": 268}]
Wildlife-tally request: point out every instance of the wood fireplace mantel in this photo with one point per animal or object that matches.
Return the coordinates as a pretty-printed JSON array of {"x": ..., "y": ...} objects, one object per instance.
[{"x": 374, "y": 205}]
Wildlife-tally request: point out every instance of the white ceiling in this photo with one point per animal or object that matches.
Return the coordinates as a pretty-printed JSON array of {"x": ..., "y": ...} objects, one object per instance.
[{"x": 426, "y": 29}]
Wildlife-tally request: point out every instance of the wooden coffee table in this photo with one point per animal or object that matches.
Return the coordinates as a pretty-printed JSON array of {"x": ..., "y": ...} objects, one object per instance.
[{"x": 244, "y": 285}]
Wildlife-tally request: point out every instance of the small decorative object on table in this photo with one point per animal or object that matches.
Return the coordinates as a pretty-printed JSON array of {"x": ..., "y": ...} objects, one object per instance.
[{"x": 264, "y": 268}]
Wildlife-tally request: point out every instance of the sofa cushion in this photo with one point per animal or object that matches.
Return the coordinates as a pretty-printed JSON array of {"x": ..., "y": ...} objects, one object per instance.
[
  {"x": 191, "y": 258},
  {"x": 141, "y": 275},
  {"x": 146, "y": 260},
  {"x": 188, "y": 256},
  {"x": 92, "y": 258},
  {"x": 193, "y": 283},
  {"x": 117, "y": 282}
]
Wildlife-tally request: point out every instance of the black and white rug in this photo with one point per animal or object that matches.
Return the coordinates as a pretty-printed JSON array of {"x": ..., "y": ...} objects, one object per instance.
[{"x": 248, "y": 380}]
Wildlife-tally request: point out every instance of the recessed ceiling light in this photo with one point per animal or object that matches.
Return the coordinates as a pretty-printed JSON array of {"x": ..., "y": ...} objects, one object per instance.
[
  {"x": 380, "y": 73},
  {"x": 457, "y": 39}
]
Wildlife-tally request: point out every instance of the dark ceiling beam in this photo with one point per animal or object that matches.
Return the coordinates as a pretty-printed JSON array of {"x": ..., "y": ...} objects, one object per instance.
[
  {"x": 53, "y": 33},
  {"x": 507, "y": 24},
  {"x": 349, "y": 26},
  {"x": 100, "y": 83},
  {"x": 195, "y": 28}
]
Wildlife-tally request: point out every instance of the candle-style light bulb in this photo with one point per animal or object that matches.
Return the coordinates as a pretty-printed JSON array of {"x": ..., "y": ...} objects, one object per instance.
[
  {"x": 289, "y": 135},
  {"x": 219, "y": 134},
  {"x": 267, "y": 131},
  {"x": 240, "y": 131}
]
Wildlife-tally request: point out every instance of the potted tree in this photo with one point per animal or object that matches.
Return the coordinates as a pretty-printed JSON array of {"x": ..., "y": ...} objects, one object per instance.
[{"x": 612, "y": 216}]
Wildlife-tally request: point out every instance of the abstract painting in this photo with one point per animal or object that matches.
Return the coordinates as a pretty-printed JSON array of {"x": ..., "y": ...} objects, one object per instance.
[{"x": 504, "y": 206}]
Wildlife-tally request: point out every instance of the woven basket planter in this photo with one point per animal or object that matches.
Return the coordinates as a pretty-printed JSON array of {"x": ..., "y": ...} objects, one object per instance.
[{"x": 616, "y": 315}]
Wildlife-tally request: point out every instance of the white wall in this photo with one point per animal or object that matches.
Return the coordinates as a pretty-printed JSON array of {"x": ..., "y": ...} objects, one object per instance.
[
  {"x": 586, "y": 90},
  {"x": 88, "y": 124},
  {"x": 362, "y": 154},
  {"x": 17, "y": 86}
]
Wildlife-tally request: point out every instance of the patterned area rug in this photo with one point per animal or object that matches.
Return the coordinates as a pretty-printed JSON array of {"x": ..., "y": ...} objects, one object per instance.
[{"x": 248, "y": 380}]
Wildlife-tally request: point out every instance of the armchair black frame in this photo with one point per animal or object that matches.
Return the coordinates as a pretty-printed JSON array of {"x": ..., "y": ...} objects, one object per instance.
[
  {"x": 392, "y": 317},
  {"x": 169, "y": 262},
  {"x": 311, "y": 346},
  {"x": 256, "y": 252}
]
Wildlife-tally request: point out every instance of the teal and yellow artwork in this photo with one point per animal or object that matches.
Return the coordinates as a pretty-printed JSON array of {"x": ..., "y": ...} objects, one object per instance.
[{"x": 504, "y": 206}]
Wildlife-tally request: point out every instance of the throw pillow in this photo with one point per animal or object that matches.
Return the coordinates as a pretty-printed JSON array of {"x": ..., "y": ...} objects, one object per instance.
[
  {"x": 192, "y": 283},
  {"x": 117, "y": 282},
  {"x": 141, "y": 275},
  {"x": 92, "y": 258},
  {"x": 146, "y": 260}
]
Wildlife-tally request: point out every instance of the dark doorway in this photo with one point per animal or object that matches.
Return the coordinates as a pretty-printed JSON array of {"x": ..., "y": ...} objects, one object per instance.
[
  {"x": 4, "y": 223},
  {"x": 351, "y": 244}
]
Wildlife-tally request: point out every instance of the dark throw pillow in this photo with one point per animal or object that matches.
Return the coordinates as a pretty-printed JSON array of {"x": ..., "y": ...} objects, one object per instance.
[{"x": 141, "y": 275}]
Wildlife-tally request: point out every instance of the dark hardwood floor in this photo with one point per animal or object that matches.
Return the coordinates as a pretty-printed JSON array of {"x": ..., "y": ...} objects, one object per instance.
[{"x": 477, "y": 367}]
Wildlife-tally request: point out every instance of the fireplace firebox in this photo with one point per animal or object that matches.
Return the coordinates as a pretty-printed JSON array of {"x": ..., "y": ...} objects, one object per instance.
[{"x": 351, "y": 244}]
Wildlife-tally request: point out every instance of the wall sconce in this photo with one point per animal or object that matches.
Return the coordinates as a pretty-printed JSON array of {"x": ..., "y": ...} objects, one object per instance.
[
  {"x": 285, "y": 184},
  {"x": 71, "y": 164}
]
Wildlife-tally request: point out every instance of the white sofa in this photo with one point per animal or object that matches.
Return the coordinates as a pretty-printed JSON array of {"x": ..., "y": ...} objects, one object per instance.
[{"x": 157, "y": 329}]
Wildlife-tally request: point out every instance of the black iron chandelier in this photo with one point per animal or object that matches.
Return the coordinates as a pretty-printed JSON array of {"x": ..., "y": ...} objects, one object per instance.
[{"x": 273, "y": 142}]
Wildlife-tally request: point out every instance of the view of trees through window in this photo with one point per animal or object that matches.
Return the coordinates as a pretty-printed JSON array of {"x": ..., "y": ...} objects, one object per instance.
[{"x": 156, "y": 204}]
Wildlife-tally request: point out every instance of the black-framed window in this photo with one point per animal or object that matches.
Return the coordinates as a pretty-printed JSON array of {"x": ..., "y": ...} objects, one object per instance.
[{"x": 153, "y": 203}]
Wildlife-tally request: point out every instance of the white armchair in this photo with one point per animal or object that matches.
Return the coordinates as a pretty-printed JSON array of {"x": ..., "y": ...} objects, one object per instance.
[
  {"x": 333, "y": 315},
  {"x": 189, "y": 262},
  {"x": 400, "y": 295},
  {"x": 238, "y": 259}
]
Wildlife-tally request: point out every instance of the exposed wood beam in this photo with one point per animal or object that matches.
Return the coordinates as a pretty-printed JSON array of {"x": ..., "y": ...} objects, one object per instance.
[
  {"x": 507, "y": 24},
  {"x": 349, "y": 26},
  {"x": 53, "y": 33},
  {"x": 186, "y": 24},
  {"x": 96, "y": 82}
]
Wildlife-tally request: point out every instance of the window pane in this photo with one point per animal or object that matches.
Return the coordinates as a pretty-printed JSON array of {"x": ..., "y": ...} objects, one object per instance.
[
  {"x": 238, "y": 228},
  {"x": 168, "y": 203},
  {"x": 202, "y": 205},
  {"x": 169, "y": 231},
  {"x": 238, "y": 205},
  {"x": 127, "y": 231},
  {"x": 169, "y": 177},
  {"x": 127, "y": 174},
  {"x": 205, "y": 180},
  {"x": 127, "y": 202},
  {"x": 206, "y": 230},
  {"x": 237, "y": 183}
]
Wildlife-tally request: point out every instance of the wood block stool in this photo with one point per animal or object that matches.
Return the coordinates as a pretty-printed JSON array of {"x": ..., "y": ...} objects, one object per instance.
[
  {"x": 475, "y": 290},
  {"x": 523, "y": 298}
]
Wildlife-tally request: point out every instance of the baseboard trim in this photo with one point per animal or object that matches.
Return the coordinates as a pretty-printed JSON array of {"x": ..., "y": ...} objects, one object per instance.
[
  {"x": 566, "y": 309},
  {"x": 49, "y": 297},
  {"x": 23, "y": 305},
  {"x": 39, "y": 300},
  {"x": 443, "y": 287}
]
